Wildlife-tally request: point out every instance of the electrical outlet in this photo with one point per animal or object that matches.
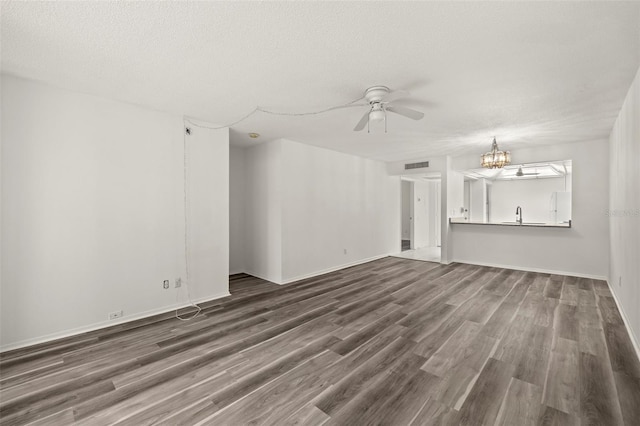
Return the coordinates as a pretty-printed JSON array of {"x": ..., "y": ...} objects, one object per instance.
[
  {"x": 115, "y": 315},
  {"x": 165, "y": 284},
  {"x": 178, "y": 282},
  {"x": 620, "y": 281},
  {"x": 345, "y": 251}
]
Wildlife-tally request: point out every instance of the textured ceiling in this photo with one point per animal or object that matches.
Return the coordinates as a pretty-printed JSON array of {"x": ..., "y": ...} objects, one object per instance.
[{"x": 527, "y": 72}]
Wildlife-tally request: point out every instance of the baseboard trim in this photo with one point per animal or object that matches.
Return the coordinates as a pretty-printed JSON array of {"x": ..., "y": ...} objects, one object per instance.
[
  {"x": 105, "y": 324},
  {"x": 634, "y": 340},
  {"x": 317, "y": 273},
  {"x": 528, "y": 269},
  {"x": 253, "y": 274},
  {"x": 333, "y": 269}
]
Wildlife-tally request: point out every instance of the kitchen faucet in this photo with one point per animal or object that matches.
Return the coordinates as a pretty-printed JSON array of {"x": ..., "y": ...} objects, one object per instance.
[{"x": 519, "y": 215}]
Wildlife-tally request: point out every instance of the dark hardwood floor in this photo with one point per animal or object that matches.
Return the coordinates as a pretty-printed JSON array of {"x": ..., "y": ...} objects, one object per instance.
[{"x": 391, "y": 342}]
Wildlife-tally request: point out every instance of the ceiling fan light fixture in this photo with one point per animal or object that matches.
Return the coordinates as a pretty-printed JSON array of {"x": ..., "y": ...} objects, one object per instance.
[
  {"x": 376, "y": 115},
  {"x": 495, "y": 159}
]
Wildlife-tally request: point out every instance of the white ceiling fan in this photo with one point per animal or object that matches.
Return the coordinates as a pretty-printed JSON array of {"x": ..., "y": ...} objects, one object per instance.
[{"x": 379, "y": 99}]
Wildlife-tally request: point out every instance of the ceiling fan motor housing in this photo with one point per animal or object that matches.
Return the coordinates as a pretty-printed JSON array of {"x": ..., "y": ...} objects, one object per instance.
[{"x": 376, "y": 94}]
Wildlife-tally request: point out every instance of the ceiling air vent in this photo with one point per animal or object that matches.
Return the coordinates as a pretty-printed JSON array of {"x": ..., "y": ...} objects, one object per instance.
[{"x": 416, "y": 165}]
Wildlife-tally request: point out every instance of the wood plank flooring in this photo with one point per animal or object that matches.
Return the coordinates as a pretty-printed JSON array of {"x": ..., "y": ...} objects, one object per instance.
[{"x": 390, "y": 342}]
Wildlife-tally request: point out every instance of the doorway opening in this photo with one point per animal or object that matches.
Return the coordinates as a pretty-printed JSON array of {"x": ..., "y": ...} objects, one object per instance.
[{"x": 420, "y": 232}]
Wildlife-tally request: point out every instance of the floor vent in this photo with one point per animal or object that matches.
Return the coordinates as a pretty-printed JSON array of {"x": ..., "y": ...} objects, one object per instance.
[{"x": 416, "y": 165}]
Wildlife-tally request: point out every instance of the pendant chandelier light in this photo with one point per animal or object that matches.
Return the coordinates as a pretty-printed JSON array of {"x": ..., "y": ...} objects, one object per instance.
[{"x": 495, "y": 159}]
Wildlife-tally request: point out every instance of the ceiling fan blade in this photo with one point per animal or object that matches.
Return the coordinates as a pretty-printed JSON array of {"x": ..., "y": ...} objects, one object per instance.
[
  {"x": 396, "y": 94},
  {"x": 349, "y": 106},
  {"x": 363, "y": 121},
  {"x": 407, "y": 112}
]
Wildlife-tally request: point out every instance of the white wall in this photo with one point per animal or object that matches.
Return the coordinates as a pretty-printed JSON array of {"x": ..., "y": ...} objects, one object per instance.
[
  {"x": 452, "y": 193},
  {"x": 466, "y": 198},
  {"x": 208, "y": 212},
  {"x": 406, "y": 210},
  {"x": 334, "y": 202},
  {"x": 92, "y": 211},
  {"x": 581, "y": 250},
  {"x": 433, "y": 211},
  {"x": 478, "y": 205},
  {"x": 624, "y": 209},
  {"x": 304, "y": 206},
  {"x": 532, "y": 195},
  {"x": 455, "y": 194},
  {"x": 237, "y": 171},
  {"x": 263, "y": 211}
]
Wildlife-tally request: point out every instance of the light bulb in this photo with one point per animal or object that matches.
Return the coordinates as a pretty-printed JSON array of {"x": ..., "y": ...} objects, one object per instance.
[{"x": 376, "y": 115}]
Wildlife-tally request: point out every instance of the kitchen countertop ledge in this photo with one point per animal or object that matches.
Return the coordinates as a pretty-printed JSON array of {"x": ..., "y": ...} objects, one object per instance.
[{"x": 457, "y": 221}]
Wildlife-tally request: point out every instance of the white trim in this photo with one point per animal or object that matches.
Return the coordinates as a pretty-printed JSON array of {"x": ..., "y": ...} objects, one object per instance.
[
  {"x": 528, "y": 269},
  {"x": 271, "y": 280},
  {"x": 625, "y": 319},
  {"x": 316, "y": 273},
  {"x": 333, "y": 268},
  {"x": 105, "y": 324}
]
